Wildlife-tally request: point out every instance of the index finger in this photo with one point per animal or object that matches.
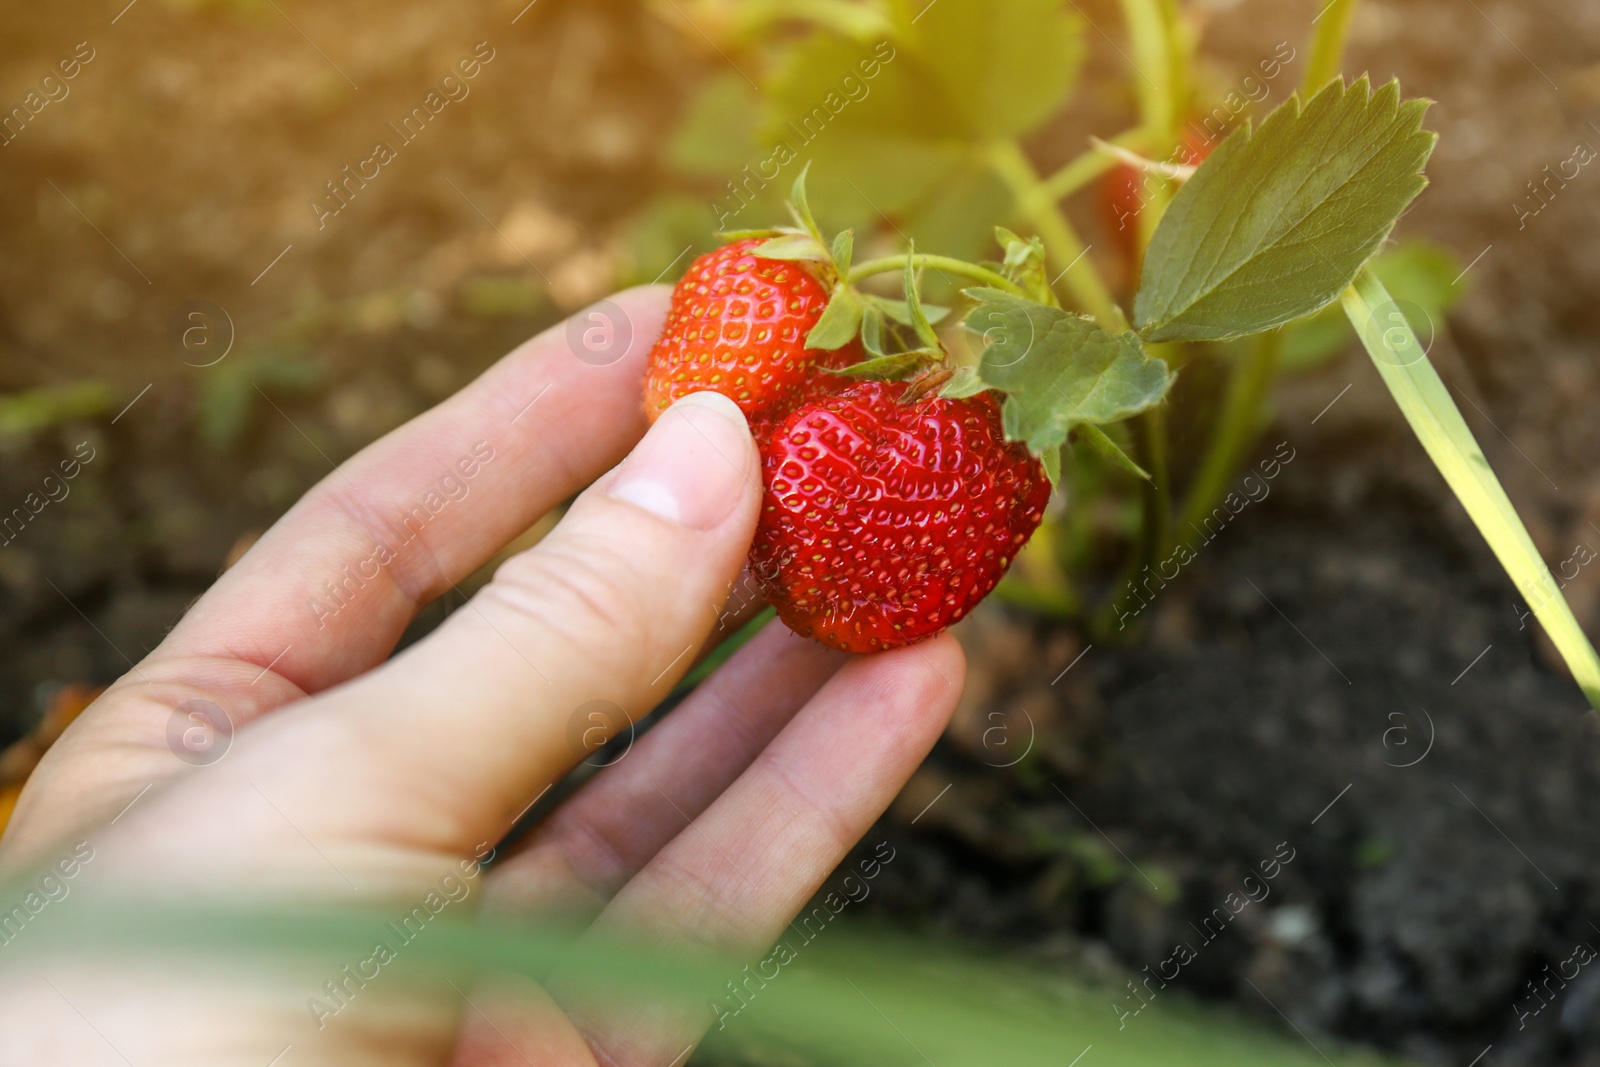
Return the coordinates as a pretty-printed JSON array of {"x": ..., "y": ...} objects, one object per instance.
[{"x": 326, "y": 593}]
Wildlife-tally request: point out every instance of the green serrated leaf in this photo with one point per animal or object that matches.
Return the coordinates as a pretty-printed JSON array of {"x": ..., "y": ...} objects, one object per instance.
[
  {"x": 886, "y": 368},
  {"x": 886, "y": 137},
  {"x": 1005, "y": 67},
  {"x": 900, "y": 311},
  {"x": 843, "y": 250},
  {"x": 964, "y": 383},
  {"x": 1103, "y": 446},
  {"x": 794, "y": 246},
  {"x": 1060, "y": 370},
  {"x": 1277, "y": 223},
  {"x": 894, "y": 94},
  {"x": 840, "y": 320}
]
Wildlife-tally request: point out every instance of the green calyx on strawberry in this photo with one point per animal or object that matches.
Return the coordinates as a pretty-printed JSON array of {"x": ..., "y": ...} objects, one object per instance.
[{"x": 902, "y": 474}]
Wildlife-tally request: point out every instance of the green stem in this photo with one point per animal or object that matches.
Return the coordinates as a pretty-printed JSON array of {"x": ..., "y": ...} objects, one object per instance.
[
  {"x": 1149, "y": 34},
  {"x": 1327, "y": 47},
  {"x": 1156, "y": 533},
  {"x": 1237, "y": 425},
  {"x": 939, "y": 263},
  {"x": 1150, "y": 445},
  {"x": 1089, "y": 292},
  {"x": 1154, "y": 32},
  {"x": 1092, "y": 164},
  {"x": 1063, "y": 247},
  {"x": 1161, "y": 48},
  {"x": 1182, "y": 46},
  {"x": 1251, "y": 378}
]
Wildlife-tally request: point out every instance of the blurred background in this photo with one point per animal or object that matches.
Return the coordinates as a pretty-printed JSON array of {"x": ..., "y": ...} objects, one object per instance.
[{"x": 199, "y": 314}]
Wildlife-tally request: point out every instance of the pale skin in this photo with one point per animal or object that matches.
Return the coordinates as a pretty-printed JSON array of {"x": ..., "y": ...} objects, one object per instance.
[{"x": 354, "y": 776}]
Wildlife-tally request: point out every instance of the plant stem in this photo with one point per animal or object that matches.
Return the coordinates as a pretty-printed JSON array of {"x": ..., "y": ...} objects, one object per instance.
[
  {"x": 1251, "y": 376},
  {"x": 1089, "y": 292},
  {"x": 1237, "y": 425},
  {"x": 1182, "y": 47},
  {"x": 1154, "y": 32},
  {"x": 940, "y": 263},
  {"x": 1063, "y": 247},
  {"x": 1327, "y": 46},
  {"x": 1153, "y": 27},
  {"x": 1092, "y": 164},
  {"x": 1148, "y": 32},
  {"x": 1156, "y": 533}
]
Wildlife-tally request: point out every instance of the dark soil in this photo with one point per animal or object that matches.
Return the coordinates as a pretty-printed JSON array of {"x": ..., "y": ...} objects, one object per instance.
[
  {"x": 1342, "y": 672},
  {"x": 1298, "y": 698}
]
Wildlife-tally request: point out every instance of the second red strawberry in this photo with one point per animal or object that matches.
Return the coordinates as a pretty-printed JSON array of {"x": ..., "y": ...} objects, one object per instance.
[{"x": 737, "y": 326}]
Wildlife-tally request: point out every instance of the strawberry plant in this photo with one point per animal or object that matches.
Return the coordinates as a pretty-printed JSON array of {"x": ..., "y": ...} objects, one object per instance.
[{"x": 1241, "y": 247}]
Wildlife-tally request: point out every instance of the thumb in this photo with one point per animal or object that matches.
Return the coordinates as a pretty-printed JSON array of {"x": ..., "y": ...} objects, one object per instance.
[{"x": 604, "y": 614}]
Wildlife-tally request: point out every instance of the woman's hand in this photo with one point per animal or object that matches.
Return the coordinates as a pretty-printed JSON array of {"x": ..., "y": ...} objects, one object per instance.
[{"x": 356, "y": 778}]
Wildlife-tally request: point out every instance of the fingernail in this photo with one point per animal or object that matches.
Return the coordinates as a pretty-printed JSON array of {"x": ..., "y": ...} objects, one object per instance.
[{"x": 694, "y": 465}]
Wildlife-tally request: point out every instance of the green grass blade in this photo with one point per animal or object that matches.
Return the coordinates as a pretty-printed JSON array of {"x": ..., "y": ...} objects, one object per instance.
[
  {"x": 851, "y": 995},
  {"x": 1438, "y": 424}
]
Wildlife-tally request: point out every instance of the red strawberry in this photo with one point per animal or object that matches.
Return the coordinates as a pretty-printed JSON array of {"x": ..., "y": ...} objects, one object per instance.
[
  {"x": 884, "y": 522},
  {"x": 738, "y": 326}
]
